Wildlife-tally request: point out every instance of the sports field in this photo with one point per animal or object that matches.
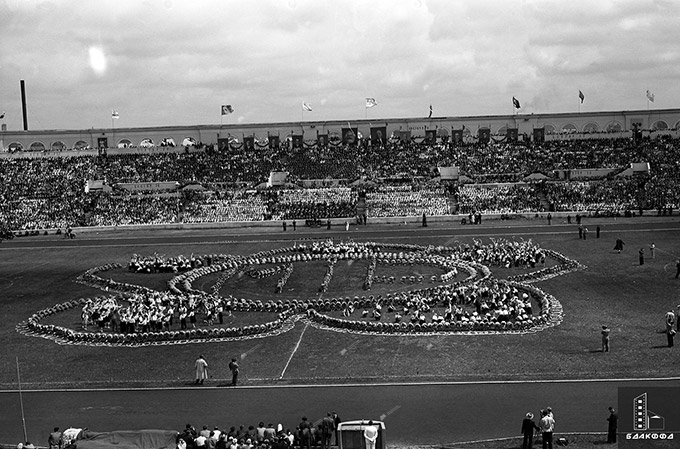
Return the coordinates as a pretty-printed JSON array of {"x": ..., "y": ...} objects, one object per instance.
[{"x": 613, "y": 289}]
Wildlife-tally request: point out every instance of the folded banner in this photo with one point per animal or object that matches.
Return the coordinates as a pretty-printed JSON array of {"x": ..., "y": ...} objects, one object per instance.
[
  {"x": 449, "y": 172},
  {"x": 128, "y": 439}
]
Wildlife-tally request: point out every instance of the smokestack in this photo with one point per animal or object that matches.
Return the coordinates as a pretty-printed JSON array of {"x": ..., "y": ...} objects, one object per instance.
[{"x": 23, "y": 104}]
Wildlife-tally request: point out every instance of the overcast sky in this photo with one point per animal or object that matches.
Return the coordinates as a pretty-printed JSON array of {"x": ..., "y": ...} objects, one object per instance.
[{"x": 175, "y": 62}]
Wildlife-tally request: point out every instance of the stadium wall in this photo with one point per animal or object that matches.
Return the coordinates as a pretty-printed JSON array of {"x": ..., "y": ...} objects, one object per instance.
[{"x": 569, "y": 123}]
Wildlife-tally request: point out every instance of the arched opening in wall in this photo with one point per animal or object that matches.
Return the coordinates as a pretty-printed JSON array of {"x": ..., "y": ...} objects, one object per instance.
[
  {"x": 502, "y": 130},
  {"x": 591, "y": 128},
  {"x": 58, "y": 146},
  {"x": 189, "y": 142},
  {"x": 677, "y": 125},
  {"x": 15, "y": 146},
  {"x": 37, "y": 146},
  {"x": 569, "y": 128},
  {"x": 146, "y": 143},
  {"x": 614, "y": 127},
  {"x": 549, "y": 129},
  {"x": 659, "y": 125},
  {"x": 124, "y": 143},
  {"x": 81, "y": 145},
  {"x": 167, "y": 142},
  {"x": 442, "y": 132}
]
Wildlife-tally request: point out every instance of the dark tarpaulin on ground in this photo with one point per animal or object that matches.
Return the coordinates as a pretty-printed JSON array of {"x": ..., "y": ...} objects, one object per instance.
[{"x": 128, "y": 439}]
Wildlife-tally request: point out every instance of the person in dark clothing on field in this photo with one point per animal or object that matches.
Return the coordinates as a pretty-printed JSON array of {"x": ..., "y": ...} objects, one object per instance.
[
  {"x": 529, "y": 427},
  {"x": 613, "y": 425}
]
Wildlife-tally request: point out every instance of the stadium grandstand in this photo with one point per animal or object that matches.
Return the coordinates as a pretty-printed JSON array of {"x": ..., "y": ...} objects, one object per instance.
[{"x": 602, "y": 163}]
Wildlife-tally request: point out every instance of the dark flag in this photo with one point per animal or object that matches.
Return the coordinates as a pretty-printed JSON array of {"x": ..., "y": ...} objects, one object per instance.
[
  {"x": 227, "y": 109},
  {"x": 581, "y": 96},
  {"x": 515, "y": 103},
  {"x": 430, "y": 116}
]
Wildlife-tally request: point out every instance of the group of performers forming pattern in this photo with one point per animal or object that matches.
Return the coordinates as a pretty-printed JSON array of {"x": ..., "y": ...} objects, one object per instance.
[{"x": 487, "y": 300}]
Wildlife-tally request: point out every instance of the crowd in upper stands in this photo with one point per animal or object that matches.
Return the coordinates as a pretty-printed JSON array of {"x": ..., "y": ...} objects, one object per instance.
[{"x": 400, "y": 180}]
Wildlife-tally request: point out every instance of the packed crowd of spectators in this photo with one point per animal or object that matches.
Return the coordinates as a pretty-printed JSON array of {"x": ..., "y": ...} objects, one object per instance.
[
  {"x": 503, "y": 199},
  {"x": 48, "y": 192},
  {"x": 227, "y": 205},
  {"x": 406, "y": 200},
  {"x": 319, "y": 434},
  {"x": 594, "y": 196},
  {"x": 315, "y": 203}
]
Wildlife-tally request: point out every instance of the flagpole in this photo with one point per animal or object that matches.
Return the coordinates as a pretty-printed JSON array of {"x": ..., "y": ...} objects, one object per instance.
[{"x": 21, "y": 400}]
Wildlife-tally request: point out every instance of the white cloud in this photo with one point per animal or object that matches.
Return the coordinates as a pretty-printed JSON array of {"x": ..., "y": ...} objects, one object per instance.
[{"x": 166, "y": 62}]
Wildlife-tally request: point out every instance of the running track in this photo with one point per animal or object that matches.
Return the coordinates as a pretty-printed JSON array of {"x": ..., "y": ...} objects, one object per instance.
[{"x": 413, "y": 414}]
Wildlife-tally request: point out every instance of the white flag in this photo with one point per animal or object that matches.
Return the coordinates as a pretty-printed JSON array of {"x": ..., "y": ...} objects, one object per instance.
[
  {"x": 306, "y": 106},
  {"x": 650, "y": 96},
  {"x": 114, "y": 114},
  {"x": 370, "y": 102}
]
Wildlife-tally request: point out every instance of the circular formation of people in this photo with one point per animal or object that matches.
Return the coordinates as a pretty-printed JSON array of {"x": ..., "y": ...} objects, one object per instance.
[{"x": 458, "y": 295}]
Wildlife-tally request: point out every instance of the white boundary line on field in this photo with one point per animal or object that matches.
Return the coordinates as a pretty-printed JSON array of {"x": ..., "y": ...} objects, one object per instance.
[
  {"x": 297, "y": 345},
  {"x": 353, "y": 385}
]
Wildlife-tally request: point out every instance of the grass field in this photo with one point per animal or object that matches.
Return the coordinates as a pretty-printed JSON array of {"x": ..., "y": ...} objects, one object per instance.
[{"x": 613, "y": 290}]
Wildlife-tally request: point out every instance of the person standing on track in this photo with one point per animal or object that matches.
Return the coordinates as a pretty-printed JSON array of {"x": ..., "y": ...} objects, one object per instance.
[
  {"x": 233, "y": 367},
  {"x": 547, "y": 426},
  {"x": 55, "y": 441},
  {"x": 327, "y": 430},
  {"x": 201, "y": 369},
  {"x": 529, "y": 427},
  {"x": 613, "y": 425},
  {"x": 370, "y": 435}
]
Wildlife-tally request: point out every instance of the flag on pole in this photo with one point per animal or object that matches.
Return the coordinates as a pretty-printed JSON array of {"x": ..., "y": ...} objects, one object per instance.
[
  {"x": 650, "y": 96},
  {"x": 430, "y": 116},
  {"x": 370, "y": 102},
  {"x": 114, "y": 114},
  {"x": 581, "y": 96},
  {"x": 306, "y": 106},
  {"x": 2, "y": 115},
  {"x": 227, "y": 109},
  {"x": 515, "y": 103}
]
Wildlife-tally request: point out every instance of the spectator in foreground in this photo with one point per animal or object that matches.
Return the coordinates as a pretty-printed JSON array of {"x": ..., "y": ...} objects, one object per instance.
[{"x": 529, "y": 427}]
